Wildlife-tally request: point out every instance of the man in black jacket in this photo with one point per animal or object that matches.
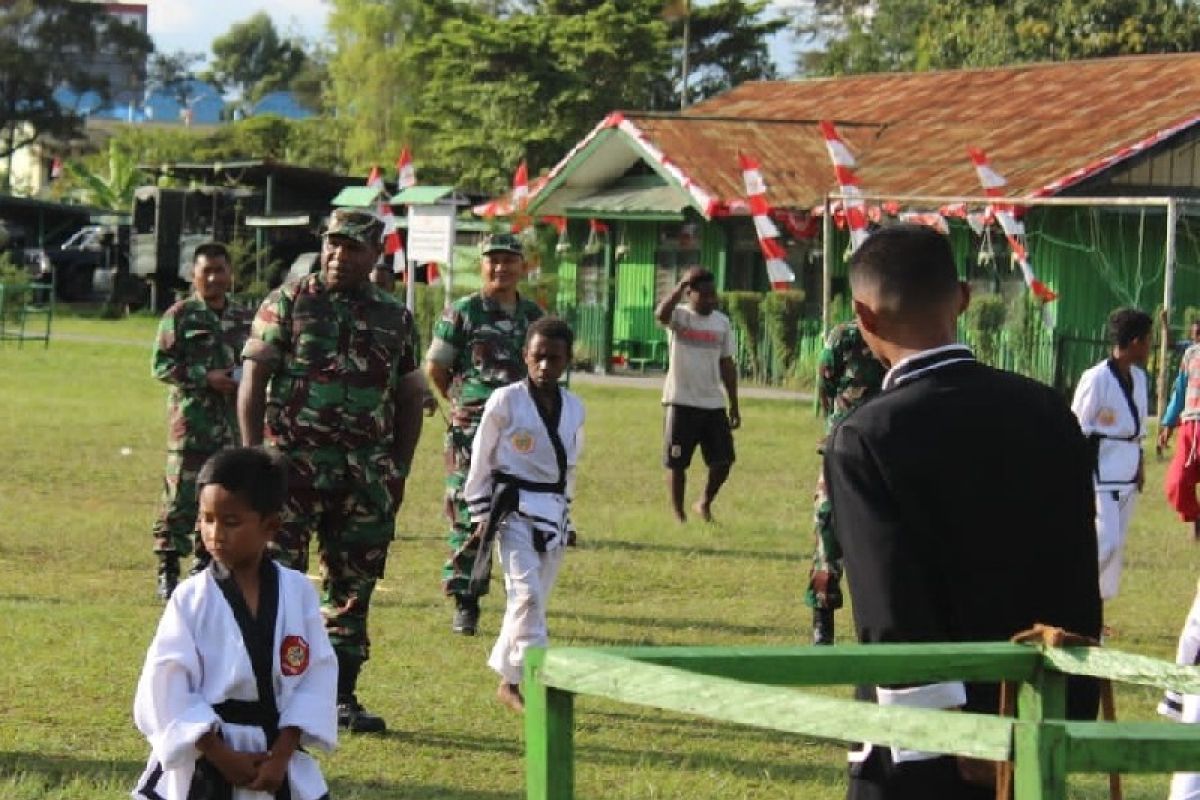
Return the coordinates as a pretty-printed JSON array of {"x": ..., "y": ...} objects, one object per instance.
[{"x": 962, "y": 500}]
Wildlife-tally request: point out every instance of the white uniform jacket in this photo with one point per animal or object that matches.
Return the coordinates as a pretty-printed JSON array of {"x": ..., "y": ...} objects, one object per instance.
[
  {"x": 1117, "y": 420},
  {"x": 513, "y": 445},
  {"x": 200, "y": 658}
]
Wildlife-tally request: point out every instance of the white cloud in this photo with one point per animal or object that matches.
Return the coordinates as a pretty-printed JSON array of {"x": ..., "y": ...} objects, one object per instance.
[{"x": 192, "y": 25}]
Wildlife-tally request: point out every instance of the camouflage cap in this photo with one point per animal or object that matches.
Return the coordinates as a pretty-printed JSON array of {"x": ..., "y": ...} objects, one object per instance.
[
  {"x": 501, "y": 242},
  {"x": 361, "y": 226}
]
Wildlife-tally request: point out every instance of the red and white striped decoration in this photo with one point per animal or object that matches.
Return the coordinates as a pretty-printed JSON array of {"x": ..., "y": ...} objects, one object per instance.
[
  {"x": 520, "y": 197},
  {"x": 1014, "y": 230},
  {"x": 407, "y": 174},
  {"x": 843, "y": 168},
  {"x": 375, "y": 179},
  {"x": 393, "y": 244},
  {"x": 779, "y": 272}
]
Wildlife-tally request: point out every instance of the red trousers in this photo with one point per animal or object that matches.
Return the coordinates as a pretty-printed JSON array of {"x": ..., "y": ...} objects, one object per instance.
[{"x": 1184, "y": 472}]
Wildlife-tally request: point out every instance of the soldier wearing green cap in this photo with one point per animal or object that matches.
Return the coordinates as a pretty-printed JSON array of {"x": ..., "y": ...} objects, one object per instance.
[
  {"x": 476, "y": 349},
  {"x": 197, "y": 352},
  {"x": 331, "y": 380}
]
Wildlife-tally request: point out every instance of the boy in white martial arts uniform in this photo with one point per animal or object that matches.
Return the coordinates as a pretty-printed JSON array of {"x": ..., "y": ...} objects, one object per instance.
[
  {"x": 1111, "y": 405},
  {"x": 519, "y": 491},
  {"x": 1185, "y": 708},
  {"x": 226, "y": 721}
]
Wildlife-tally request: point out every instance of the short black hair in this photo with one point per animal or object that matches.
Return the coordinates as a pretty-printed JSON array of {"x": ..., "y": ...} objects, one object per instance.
[
  {"x": 698, "y": 276},
  {"x": 254, "y": 474},
  {"x": 210, "y": 250},
  {"x": 1127, "y": 324},
  {"x": 911, "y": 266},
  {"x": 551, "y": 328}
]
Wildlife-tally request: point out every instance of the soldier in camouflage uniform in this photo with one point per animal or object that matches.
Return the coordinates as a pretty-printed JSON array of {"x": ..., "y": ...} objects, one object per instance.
[
  {"x": 849, "y": 376},
  {"x": 331, "y": 375},
  {"x": 476, "y": 349},
  {"x": 197, "y": 352}
]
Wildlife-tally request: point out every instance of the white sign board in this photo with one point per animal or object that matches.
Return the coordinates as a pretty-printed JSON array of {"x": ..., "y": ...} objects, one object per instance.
[{"x": 431, "y": 232}]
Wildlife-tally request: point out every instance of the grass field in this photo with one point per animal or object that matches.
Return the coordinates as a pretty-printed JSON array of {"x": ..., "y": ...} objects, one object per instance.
[{"x": 76, "y": 597}]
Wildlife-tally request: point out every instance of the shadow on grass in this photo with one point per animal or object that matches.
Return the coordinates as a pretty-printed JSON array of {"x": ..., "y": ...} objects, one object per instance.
[
  {"x": 54, "y": 771},
  {"x": 414, "y": 791},
  {"x": 678, "y": 624},
  {"x": 685, "y": 549}
]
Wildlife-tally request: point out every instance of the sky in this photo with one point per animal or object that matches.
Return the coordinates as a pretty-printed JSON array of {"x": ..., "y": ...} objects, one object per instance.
[{"x": 191, "y": 25}]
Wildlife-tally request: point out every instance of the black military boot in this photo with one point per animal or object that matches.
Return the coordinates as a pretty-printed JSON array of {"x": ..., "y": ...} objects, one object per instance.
[
  {"x": 466, "y": 614},
  {"x": 351, "y": 715},
  {"x": 168, "y": 575},
  {"x": 822, "y": 626}
]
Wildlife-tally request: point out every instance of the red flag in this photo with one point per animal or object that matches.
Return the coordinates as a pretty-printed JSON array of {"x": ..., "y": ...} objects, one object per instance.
[
  {"x": 56, "y": 168},
  {"x": 404, "y": 167},
  {"x": 520, "y": 192},
  {"x": 433, "y": 275},
  {"x": 391, "y": 235}
]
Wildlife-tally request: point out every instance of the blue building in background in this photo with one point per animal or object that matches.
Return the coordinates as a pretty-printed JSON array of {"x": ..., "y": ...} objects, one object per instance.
[{"x": 204, "y": 105}]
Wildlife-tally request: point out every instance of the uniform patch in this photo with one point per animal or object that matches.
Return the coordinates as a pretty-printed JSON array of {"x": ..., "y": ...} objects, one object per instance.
[
  {"x": 522, "y": 441},
  {"x": 293, "y": 655},
  {"x": 1106, "y": 417}
]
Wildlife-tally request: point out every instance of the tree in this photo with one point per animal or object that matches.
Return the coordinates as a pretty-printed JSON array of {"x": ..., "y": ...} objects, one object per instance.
[
  {"x": 374, "y": 76},
  {"x": 52, "y": 44},
  {"x": 252, "y": 58},
  {"x": 113, "y": 191},
  {"x": 889, "y": 35},
  {"x": 727, "y": 45},
  {"x": 528, "y": 85},
  {"x": 174, "y": 73}
]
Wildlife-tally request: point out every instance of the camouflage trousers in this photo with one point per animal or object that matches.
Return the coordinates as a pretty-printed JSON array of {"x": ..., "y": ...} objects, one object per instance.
[
  {"x": 456, "y": 572},
  {"x": 825, "y": 578},
  {"x": 175, "y": 528},
  {"x": 349, "y": 501}
]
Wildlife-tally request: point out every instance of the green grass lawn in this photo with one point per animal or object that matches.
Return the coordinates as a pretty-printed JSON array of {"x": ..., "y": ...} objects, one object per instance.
[{"x": 77, "y": 598}]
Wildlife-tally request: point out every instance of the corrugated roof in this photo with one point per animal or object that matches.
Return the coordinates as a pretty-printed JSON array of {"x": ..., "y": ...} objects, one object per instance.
[
  {"x": 357, "y": 197},
  {"x": 1040, "y": 125},
  {"x": 1045, "y": 127}
]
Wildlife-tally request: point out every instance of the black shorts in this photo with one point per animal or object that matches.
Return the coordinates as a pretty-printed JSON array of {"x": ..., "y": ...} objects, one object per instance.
[{"x": 686, "y": 426}]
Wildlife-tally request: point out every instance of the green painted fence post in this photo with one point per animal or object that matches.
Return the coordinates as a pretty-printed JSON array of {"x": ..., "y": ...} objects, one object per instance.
[
  {"x": 1040, "y": 740},
  {"x": 549, "y": 735}
]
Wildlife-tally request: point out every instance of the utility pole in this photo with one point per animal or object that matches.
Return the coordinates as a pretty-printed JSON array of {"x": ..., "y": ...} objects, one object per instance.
[{"x": 687, "y": 35}]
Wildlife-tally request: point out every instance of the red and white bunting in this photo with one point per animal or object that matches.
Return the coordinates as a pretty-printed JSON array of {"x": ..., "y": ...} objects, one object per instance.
[
  {"x": 520, "y": 189},
  {"x": 779, "y": 272},
  {"x": 1014, "y": 230},
  {"x": 843, "y": 168},
  {"x": 520, "y": 197},
  {"x": 406, "y": 173},
  {"x": 375, "y": 179},
  {"x": 393, "y": 244}
]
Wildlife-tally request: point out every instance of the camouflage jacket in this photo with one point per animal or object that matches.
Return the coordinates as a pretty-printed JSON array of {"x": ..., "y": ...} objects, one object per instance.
[
  {"x": 336, "y": 360},
  {"x": 193, "y": 339},
  {"x": 849, "y": 373},
  {"x": 487, "y": 344}
]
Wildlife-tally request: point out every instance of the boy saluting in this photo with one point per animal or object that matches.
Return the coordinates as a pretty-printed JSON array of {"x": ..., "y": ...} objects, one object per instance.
[{"x": 227, "y": 722}]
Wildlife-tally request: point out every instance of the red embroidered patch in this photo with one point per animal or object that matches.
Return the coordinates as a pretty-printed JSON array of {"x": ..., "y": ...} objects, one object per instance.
[{"x": 293, "y": 655}]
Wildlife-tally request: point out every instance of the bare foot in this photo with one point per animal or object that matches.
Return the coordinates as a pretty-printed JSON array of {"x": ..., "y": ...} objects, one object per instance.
[
  {"x": 703, "y": 510},
  {"x": 510, "y": 695}
]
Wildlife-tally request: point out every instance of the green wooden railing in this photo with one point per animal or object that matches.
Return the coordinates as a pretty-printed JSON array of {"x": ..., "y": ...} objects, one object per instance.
[{"x": 755, "y": 686}]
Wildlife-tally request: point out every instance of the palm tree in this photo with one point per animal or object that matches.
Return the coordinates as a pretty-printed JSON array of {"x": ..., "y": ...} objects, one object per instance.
[{"x": 113, "y": 192}]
